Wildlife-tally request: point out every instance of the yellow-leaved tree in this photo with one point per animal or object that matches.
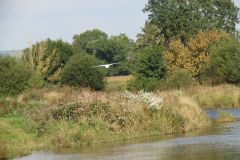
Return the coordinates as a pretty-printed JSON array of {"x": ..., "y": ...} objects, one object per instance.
[
  {"x": 192, "y": 56},
  {"x": 47, "y": 58},
  {"x": 178, "y": 56}
]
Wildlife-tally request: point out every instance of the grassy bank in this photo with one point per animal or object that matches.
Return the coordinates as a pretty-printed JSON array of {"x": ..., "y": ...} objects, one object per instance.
[
  {"x": 66, "y": 117},
  {"x": 222, "y": 96}
]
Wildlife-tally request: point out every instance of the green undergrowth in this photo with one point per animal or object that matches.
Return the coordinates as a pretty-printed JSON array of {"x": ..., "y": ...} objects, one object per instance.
[{"x": 16, "y": 136}]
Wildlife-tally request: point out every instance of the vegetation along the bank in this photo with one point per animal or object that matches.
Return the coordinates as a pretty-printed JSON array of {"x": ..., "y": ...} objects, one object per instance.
[
  {"x": 225, "y": 117},
  {"x": 66, "y": 117},
  {"x": 57, "y": 94}
]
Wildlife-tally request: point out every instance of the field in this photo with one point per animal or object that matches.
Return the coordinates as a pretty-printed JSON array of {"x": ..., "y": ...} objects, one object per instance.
[{"x": 119, "y": 79}]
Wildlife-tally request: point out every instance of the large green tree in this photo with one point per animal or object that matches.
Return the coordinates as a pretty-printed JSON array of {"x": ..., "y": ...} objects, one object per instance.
[
  {"x": 109, "y": 49},
  {"x": 93, "y": 42},
  {"x": 121, "y": 47},
  {"x": 182, "y": 18}
]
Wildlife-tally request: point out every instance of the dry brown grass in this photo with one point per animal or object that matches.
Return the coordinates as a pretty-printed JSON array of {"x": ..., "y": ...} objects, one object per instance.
[{"x": 185, "y": 106}]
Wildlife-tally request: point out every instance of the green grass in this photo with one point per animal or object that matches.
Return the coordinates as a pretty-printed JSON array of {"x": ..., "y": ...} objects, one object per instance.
[{"x": 16, "y": 137}]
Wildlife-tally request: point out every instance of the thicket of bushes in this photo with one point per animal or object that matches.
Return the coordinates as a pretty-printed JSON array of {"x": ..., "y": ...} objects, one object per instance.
[
  {"x": 179, "y": 79},
  {"x": 81, "y": 71},
  {"x": 210, "y": 57},
  {"x": 14, "y": 77},
  {"x": 224, "y": 63}
]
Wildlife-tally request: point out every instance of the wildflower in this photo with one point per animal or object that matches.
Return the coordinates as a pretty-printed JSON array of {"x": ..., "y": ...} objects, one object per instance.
[{"x": 152, "y": 101}]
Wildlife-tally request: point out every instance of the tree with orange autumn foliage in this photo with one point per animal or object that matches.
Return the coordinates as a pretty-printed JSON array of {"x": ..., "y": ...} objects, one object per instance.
[{"x": 194, "y": 55}]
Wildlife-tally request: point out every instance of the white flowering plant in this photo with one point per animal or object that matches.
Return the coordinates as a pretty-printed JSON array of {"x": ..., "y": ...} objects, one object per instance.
[{"x": 150, "y": 99}]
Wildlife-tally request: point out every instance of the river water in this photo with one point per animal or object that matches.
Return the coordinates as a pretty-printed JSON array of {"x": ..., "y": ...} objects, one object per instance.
[{"x": 218, "y": 142}]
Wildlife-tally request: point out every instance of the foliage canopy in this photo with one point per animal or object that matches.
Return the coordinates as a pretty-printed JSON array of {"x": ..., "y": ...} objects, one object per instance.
[
  {"x": 184, "y": 18},
  {"x": 193, "y": 56}
]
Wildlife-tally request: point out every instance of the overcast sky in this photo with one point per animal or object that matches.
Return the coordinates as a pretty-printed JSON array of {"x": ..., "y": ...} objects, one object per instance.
[{"x": 23, "y": 22}]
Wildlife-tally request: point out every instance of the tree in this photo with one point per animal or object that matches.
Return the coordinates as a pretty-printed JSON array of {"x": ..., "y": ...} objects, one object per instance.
[
  {"x": 97, "y": 43},
  {"x": 150, "y": 64},
  {"x": 93, "y": 42},
  {"x": 178, "y": 57},
  {"x": 193, "y": 56},
  {"x": 121, "y": 47},
  {"x": 109, "y": 49},
  {"x": 80, "y": 72},
  {"x": 184, "y": 18},
  {"x": 151, "y": 36},
  {"x": 88, "y": 40},
  {"x": 47, "y": 58},
  {"x": 15, "y": 76},
  {"x": 224, "y": 63}
]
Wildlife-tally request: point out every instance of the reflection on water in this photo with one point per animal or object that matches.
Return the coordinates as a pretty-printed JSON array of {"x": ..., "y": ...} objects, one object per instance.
[
  {"x": 219, "y": 142},
  {"x": 213, "y": 113}
]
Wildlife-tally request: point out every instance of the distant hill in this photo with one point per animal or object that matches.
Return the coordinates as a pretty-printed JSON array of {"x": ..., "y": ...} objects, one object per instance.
[{"x": 14, "y": 53}]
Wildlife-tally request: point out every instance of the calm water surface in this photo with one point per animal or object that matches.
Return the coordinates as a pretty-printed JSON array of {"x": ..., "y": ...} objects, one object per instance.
[{"x": 219, "y": 142}]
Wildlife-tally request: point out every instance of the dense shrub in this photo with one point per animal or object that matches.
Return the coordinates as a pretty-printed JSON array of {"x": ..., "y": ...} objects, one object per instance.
[
  {"x": 80, "y": 72},
  {"x": 147, "y": 84},
  {"x": 224, "y": 63},
  {"x": 14, "y": 77},
  {"x": 149, "y": 69},
  {"x": 177, "y": 80}
]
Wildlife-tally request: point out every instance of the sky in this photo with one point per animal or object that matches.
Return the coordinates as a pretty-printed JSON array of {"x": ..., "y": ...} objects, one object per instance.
[{"x": 24, "y": 22}]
